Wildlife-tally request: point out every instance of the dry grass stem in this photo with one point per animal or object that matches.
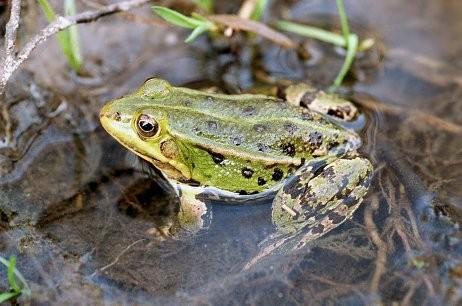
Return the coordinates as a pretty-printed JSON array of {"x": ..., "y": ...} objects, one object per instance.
[{"x": 238, "y": 23}]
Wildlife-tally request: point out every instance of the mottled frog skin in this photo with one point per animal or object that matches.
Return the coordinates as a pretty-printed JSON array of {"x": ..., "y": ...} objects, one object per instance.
[{"x": 243, "y": 145}]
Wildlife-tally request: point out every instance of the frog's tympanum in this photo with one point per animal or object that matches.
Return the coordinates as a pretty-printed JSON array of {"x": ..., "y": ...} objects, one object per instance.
[{"x": 241, "y": 147}]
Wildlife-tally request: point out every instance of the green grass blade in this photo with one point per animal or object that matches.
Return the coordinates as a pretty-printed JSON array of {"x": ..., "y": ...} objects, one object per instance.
[
  {"x": 259, "y": 10},
  {"x": 51, "y": 16},
  {"x": 10, "y": 275},
  {"x": 47, "y": 10},
  {"x": 68, "y": 44},
  {"x": 5, "y": 296},
  {"x": 197, "y": 31},
  {"x": 25, "y": 287},
  {"x": 177, "y": 18},
  {"x": 343, "y": 19},
  {"x": 206, "y": 5},
  {"x": 312, "y": 32},
  {"x": 74, "y": 56},
  {"x": 350, "y": 56}
]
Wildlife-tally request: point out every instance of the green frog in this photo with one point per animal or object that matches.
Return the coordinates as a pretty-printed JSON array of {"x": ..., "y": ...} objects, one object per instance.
[{"x": 248, "y": 146}]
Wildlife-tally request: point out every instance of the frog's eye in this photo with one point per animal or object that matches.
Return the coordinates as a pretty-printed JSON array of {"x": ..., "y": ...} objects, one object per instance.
[{"x": 147, "y": 126}]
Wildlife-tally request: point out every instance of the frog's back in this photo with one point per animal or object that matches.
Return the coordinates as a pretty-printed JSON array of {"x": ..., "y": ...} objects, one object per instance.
[{"x": 261, "y": 126}]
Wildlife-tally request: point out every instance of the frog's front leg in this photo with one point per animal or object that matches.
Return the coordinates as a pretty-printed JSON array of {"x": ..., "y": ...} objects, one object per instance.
[
  {"x": 319, "y": 198},
  {"x": 191, "y": 216}
]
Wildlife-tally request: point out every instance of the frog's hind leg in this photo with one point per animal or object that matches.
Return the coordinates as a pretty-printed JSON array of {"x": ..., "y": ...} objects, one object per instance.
[
  {"x": 315, "y": 202},
  {"x": 319, "y": 101}
]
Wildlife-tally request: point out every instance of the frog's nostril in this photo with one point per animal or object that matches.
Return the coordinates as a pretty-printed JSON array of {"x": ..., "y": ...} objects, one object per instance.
[
  {"x": 104, "y": 113},
  {"x": 116, "y": 116}
]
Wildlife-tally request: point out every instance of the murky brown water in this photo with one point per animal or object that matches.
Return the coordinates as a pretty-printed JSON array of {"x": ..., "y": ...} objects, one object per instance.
[{"x": 75, "y": 206}]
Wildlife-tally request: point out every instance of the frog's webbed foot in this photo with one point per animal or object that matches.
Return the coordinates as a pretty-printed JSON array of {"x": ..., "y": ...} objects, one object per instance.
[
  {"x": 161, "y": 232},
  {"x": 318, "y": 199}
]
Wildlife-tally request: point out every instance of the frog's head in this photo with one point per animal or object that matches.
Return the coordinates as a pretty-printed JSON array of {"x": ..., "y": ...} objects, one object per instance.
[{"x": 144, "y": 129}]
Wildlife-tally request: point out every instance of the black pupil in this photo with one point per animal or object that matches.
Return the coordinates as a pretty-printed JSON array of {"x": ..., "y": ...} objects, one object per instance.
[{"x": 146, "y": 126}]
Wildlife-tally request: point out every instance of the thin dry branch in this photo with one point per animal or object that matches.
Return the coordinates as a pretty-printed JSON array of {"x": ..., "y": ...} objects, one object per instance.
[
  {"x": 12, "y": 63},
  {"x": 12, "y": 28},
  {"x": 244, "y": 12}
]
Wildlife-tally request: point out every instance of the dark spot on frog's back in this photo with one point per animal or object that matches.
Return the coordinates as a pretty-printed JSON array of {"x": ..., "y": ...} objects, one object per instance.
[
  {"x": 278, "y": 174},
  {"x": 318, "y": 229},
  {"x": 290, "y": 128},
  {"x": 259, "y": 128},
  {"x": 249, "y": 111},
  {"x": 217, "y": 158},
  {"x": 247, "y": 172},
  {"x": 237, "y": 141},
  {"x": 288, "y": 149},
  {"x": 315, "y": 139},
  {"x": 335, "y": 217},
  {"x": 212, "y": 125},
  {"x": 262, "y": 147},
  {"x": 261, "y": 181}
]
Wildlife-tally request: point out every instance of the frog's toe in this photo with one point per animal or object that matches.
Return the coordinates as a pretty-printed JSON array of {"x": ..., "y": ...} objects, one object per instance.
[{"x": 160, "y": 233}]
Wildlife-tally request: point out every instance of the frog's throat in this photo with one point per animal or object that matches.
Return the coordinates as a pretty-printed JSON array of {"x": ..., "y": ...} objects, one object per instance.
[{"x": 172, "y": 168}]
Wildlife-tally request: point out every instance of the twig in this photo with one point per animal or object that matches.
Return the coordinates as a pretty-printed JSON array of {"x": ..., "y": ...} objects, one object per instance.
[
  {"x": 11, "y": 63},
  {"x": 12, "y": 29},
  {"x": 244, "y": 12},
  {"x": 145, "y": 20},
  {"x": 120, "y": 255}
]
